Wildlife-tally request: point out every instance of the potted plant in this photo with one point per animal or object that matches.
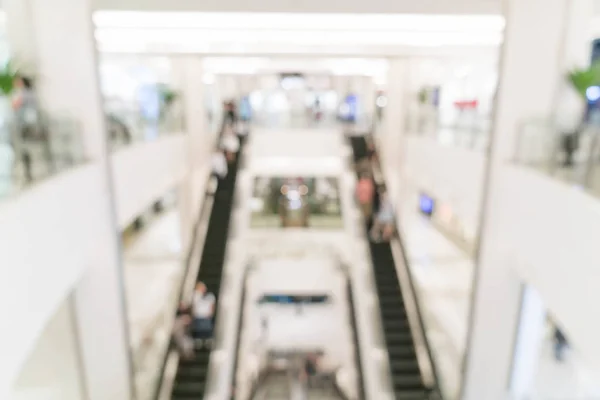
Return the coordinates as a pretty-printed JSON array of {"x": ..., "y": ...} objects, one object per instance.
[
  {"x": 168, "y": 97},
  {"x": 580, "y": 80},
  {"x": 8, "y": 75}
]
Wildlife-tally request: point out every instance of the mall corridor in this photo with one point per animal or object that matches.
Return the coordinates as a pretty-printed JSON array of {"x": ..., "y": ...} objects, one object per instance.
[{"x": 293, "y": 201}]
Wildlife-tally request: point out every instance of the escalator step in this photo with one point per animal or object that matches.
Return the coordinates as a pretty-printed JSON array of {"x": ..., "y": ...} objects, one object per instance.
[
  {"x": 402, "y": 352},
  {"x": 404, "y": 366},
  {"x": 407, "y": 381},
  {"x": 399, "y": 338},
  {"x": 192, "y": 389},
  {"x": 411, "y": 395}
]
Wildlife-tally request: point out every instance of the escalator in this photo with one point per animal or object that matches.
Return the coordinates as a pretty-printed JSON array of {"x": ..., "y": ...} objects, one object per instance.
[
  {"x": 274, "y": 384},
  {"x": 191, "y": 375},
  {"x": 407, "y": 381},
  {"x": 406, "y": 375}
]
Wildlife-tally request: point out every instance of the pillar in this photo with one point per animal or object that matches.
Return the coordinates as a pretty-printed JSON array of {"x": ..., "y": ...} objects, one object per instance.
[
  {"x": 54, "y": 40},
  {"x": 394, "y": 123},
  {"x": 368, "y": 97},
  {"x": 188, "y": 78},
  {"x": 528, "y": 88}
]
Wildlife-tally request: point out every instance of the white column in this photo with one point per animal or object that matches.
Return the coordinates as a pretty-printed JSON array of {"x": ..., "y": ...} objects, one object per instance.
[
  {"x": 368, "y": 96},
  {"x": 528, "y": 88},
  {"x": 394, "y": 122},
  {"x": 55, "y": 40},
  {"x": 189, "y": 78},
  {"x": 195, "y": 108}
]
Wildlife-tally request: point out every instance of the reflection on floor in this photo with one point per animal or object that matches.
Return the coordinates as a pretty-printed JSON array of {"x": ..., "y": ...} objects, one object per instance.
[
  {"x": 443, "y": 275},
  {"x": 563, "y": 380},
  {"x": 153, "y": 271}
]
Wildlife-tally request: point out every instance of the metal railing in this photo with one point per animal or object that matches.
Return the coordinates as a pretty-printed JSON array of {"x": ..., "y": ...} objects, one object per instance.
[
  {"x": 31, "y": 152},
  {"x": 127, "y": 125},
  {"x": 469, "y": 130},
  {"x": 573, "y": 157}
]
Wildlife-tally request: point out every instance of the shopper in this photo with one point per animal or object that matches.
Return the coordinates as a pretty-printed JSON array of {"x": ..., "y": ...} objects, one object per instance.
[
  {"x": 383, "y": 227},
  {"x": 203, "y": 307},
  {"x": 560, "y": 344},
  {"x": 365, "y": 190},
  {"x": 25, "y": 107},
  {"x": 181, "y": 336},
  {"x": 230, "y": 143},
  {"x": 219, "y": 165}
]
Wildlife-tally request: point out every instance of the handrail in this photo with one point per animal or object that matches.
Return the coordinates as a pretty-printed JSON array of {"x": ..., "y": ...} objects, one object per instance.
[
  {"x": 239, "y": 337},
  {"x": 359, "y": 364},
  {"x": 411, "y": 300}
]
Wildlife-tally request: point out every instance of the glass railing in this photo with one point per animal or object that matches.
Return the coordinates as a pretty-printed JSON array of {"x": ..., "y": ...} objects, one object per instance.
[
  {"x": 32, "y": 152},
  {"x": 469, "y": 130},
  {"x": 127, "y": 125},
  {"x": 572, "y": 158}
]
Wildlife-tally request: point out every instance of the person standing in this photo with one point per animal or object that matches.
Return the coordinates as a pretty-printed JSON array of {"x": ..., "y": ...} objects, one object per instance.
[
  {"x": 230, "y": 143},
  {"x": 365, "y": 190},
  {"x": 560, "y": 344},
  {"x": 181, "y": 337},
  {"x": 203, "y": 308},
  {"x": 219, "y": 167},
  {"x": 25, "y": 108},
  {"x": 383, "y": 227}
]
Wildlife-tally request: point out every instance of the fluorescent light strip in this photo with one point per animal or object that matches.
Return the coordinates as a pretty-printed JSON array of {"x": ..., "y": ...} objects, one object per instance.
[
  {"x": 313, "y": 38},
  {"x": 266, "y": 21}
]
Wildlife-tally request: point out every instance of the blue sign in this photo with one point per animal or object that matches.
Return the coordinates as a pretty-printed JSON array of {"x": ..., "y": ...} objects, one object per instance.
[{"x": 426, "y": 204}]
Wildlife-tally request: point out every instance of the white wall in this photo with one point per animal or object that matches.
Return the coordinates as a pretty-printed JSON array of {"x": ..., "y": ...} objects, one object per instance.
[
  {"x": 449, "y": 173},
  {"x": 144, "y": 172},
  {"x": 551, "y": 232},
  {"x": 52, "y": 370},
  {"x": 46, "y": 236}
]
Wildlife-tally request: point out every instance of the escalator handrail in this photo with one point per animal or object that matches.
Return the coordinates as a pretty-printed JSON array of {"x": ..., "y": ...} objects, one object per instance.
[
  {"x": 359, "y": 364},
  {"x": 239, "y": 336},
  {"x": 429, "y": 374}
]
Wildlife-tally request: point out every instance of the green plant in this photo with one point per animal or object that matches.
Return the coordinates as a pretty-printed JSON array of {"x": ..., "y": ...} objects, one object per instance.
[
  {"x": 423, "y": 96},
  {"x": 582, "y": 79},
  {"x": 168, "y": 95},
  {"x": 8, "y": 75}
]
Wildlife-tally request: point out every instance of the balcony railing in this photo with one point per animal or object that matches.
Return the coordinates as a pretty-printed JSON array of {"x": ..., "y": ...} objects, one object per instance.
[
  {"x": 568, "y": 156},
  {"x": 469, "y": 130},
  {"x": 32, "y": 152},
  {"x": 128, "y": 125}
]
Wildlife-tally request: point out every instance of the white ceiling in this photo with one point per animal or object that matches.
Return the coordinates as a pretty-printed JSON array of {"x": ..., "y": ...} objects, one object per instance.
[{"x": 309, "y": 6}]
